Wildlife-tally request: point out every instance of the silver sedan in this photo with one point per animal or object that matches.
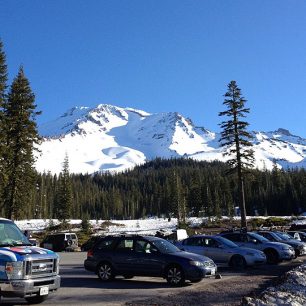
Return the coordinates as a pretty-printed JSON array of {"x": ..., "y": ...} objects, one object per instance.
[{"x": 223, "y": 251}]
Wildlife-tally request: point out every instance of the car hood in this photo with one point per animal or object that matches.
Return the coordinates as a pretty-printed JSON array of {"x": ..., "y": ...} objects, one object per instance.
[
  {"x": 190, "y": 256},
  {"x": 294, "y": 243},
  {"x": 18, "y": 252},
  {"x": 276, "y": 244}
]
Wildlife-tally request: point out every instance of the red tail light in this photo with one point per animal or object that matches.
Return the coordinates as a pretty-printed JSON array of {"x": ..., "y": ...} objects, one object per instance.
[{"x": 90, "y": 253}]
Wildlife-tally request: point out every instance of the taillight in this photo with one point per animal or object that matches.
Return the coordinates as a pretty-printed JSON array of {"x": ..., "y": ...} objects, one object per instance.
[{"x": 90, "y": 253}]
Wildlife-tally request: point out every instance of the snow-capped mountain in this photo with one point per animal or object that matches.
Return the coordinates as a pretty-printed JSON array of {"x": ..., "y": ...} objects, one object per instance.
[{"x": 110, "y": 138}]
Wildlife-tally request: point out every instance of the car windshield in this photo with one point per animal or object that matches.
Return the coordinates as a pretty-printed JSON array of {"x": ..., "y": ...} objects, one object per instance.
[
  {"x": 165, "y": 246},
  {"x": 227, "y": 242},
  {"x": 11, "y": 235},
  {"x": 258, "y": 237},
  {"x": 283, "y": 236}
]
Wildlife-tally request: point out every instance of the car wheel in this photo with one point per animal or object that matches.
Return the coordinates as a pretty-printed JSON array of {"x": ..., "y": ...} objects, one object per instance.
[
  {"x": 297, "y": 253},
  {"x": 272, "y": 256},
  {"x": 175, "y": 276},
  {"x": 238, "y": 262},
  {"x": 37, "y": 299},
  {"x": 105, "y": 272}
]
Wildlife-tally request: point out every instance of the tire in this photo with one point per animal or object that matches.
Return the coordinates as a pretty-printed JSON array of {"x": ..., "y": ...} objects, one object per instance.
[
  {"x": 296, "y": 253},
  {"x": 69, "y": 242},
  {"x": 272, "y": 256},
  {"x": 237, "y": 262},
  {"x": 175, "y": 276},
  {"x": 37, "y": 299},
  {"x": 105, "y": 272}
]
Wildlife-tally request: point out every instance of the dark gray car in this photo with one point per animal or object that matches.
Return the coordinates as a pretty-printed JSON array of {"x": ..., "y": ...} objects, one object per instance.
[{"x": 146, "y": 256}]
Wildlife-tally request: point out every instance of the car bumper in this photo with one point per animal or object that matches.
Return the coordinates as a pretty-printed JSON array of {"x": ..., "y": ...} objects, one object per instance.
[
  {"x": 90, "y": 265},
  {"x": 255, "y": 260},
  {"x": 302, "y": 251},
  {"x": 196, "y": 273},
  {"x": 30, "y": 287},
  {"x": 287, "y": 255}
]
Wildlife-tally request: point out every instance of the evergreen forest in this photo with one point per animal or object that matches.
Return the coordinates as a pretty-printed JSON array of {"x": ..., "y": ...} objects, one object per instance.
[{"x": 156, "y": 188}]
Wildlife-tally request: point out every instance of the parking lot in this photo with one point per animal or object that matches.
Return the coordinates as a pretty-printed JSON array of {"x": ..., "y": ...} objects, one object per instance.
[{"x": 79, "y": 287}]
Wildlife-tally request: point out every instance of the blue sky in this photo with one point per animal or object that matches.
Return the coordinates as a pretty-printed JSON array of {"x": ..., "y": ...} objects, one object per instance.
[{"x": 162, "y": 55}]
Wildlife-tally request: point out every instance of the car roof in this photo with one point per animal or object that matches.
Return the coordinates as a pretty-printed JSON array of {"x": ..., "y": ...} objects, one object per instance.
[
  {"x": 151, "y": 238},
  {"x": 203, "y": 236}
]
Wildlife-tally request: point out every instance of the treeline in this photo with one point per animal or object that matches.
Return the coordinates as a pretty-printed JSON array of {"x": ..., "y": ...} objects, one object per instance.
[{"x": 169, "y": 187}]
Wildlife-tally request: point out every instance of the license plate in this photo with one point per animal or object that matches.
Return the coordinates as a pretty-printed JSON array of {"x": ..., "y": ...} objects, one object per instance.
[
  {"x": 213, "y": 272},
  {"x": 43, "y": 290}
]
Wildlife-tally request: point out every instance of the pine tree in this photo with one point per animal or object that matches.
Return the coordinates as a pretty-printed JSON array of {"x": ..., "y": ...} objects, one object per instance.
[
  {"x": 236, "y": 139},
  {"x": 21, "y": 136},
  {"x": 64, "y": 200},
  {"x": 3, "y": 86}
]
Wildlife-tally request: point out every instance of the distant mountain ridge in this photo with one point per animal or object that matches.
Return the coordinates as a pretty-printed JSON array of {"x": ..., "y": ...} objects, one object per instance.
[{"x": 111, "y": 138}]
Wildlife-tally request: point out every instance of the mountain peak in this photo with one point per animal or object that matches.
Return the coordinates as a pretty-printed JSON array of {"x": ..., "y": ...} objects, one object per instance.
[
  {"x": 112, "y": 138},
  {"x": 284, "y": 132}
]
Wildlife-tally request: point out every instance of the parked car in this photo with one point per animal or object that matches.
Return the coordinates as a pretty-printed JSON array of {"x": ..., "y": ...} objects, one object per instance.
[
  {"x": 146, "y": 256},
  {"x": 222, "y": 251},
  {"x": 276, "y": 236},
  {"x": 274, "y": 251},
  {"x": 90, "y": 243},
  {"x": 301, "y": 236},
  {"x": 60, "y": 242}
]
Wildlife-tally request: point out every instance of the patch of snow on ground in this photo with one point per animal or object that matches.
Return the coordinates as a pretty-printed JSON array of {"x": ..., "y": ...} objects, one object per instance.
[{"x": 292, "y": 291}]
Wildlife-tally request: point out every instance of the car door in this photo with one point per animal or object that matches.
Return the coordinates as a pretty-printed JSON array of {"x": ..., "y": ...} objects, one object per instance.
[
  {"x": 213, "y": 249},
  {"x": 147, "y": 260},
  {"x": 123, "y": 256}
]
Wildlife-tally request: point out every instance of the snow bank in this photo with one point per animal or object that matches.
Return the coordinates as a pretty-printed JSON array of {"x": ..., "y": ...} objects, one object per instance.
[{"x": 291, "y": 291}]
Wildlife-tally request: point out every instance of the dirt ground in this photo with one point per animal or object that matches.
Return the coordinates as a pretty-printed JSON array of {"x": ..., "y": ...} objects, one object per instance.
[{"x": 225, "y": 291}]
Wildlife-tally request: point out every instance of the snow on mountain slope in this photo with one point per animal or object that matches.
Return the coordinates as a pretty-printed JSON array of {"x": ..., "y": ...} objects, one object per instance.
[{"x": 110, "y": 138}]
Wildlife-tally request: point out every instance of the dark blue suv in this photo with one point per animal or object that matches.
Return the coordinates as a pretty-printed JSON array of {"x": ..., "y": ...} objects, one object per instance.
[{"x": 146, "y": 256}]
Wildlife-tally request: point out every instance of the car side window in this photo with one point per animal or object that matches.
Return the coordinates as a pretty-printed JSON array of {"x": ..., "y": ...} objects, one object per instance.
[
  {"x": 105, "y": 244},
  {"x": 210, "y": 243},
  {"x": 125, "y": 245},
  {"x": 193, "y": 241},
  {"x": 140, "y": 246}
]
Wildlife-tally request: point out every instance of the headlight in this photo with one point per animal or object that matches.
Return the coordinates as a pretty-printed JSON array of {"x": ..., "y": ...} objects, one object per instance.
[
  {"x": 196, "y": 263},
  {"x": 301, "y": 247},
  {"x": 14, "y": 269},
  {"x": 207, "y": 263}
]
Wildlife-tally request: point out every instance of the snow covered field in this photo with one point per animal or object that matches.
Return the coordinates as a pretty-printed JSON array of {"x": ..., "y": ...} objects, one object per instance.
[{"x": 291, "y": 291}]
